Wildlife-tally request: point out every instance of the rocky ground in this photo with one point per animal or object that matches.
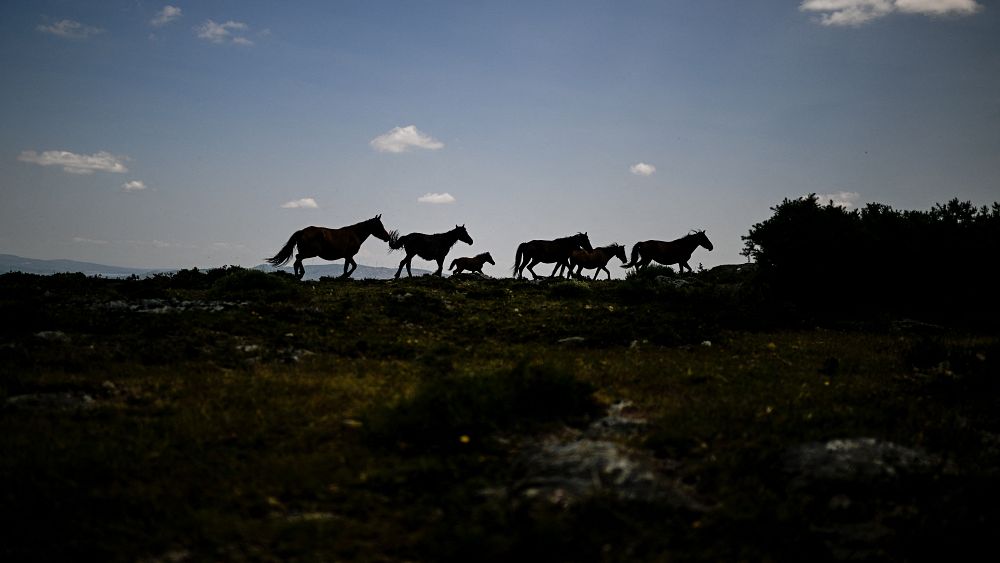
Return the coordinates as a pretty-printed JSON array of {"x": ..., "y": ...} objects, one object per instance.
[{"x": 237, "y": 415}]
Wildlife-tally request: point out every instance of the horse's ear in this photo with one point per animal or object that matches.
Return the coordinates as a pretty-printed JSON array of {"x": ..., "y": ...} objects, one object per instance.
[{"x": 379, "y": 216}]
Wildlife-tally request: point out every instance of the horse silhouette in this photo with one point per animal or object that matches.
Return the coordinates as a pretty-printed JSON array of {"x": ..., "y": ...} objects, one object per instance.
[
  {"x": 673, "y": 252},
  {"x": 595, "y": 259},
  {"x": 548, "y": 251},
  {"x": 429, "y": 247},
  {"x": 329, "y": 244},
  {"x": 473, "y": 265}
]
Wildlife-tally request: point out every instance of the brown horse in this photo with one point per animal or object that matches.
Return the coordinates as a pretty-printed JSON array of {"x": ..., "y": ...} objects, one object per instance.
[
  {"x": 548, "y": 251},
  {"x": 674, "y": 252},
  {"x": 429, "y": 247},
  {"x": 329, "y": 244},
  {"x": 473, "y": 265},
  {"x": 595, "y": 259}
]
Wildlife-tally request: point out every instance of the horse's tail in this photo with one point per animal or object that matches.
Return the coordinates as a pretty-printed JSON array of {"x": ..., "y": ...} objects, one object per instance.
[
  {"x": 635, "y": 256},
  {"x": 453, "y": 262},
  {"x": 395, "y": 241},
  {"x": 285, "y": 254},
  {"x": 517, "y": 257}
]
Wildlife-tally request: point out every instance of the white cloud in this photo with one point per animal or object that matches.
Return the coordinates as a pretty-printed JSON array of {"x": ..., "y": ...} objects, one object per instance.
[
  {"x": 859, "y": 12},
  {"x": 70, "y": 29},
  {"x": 304, "y": 203},
  {"x": 642, "y": 169},
  {"x": 436, "y": 198},
  {"x": 83, "y": 240},
  {"x": 223, "y": 32},
  {"x": 77, "y": 163},
  {"x": 847, "y": 200},
  {"x": 938, "y": 7},
  {"x": 165, "y": 16},
  {"x": 402, "y": 139},
  {"x": 134, "y": 186}
]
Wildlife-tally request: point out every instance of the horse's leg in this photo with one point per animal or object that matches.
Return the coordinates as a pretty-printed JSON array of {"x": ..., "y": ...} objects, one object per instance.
[
  {"x": 298, "y": 268},
  {"x": 606, "y": 271},
  {"x": 409, "y": 259},
  {"x": 349, "y": 262},
  {"x": 682, "y": 265},
  {"x": 559, "y": 266},
  {"x": 440, "y": 267},
  {"x": 531, "y": 269},
  {"x": 401, "y": 264}
]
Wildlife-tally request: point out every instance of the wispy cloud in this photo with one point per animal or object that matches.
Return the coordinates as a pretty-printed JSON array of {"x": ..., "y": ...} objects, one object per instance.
[
  {"x": 859, "y": 12},
  {"x": 304, "y": 203},
  {"x": 166, "y": 15},
  {"x": 402, "y": 139},
  {"x": 70, "y": 29},
  {"x": 77, "y": 163},
  {"x": 228, "y": 32},
  {"x": 436, "y": 198},
  {"x": 642, "y": 169},
  {"x": 847, "y": 200},
  {"x": 84, "y": 240},
  {"x": 134, "y": 186}
]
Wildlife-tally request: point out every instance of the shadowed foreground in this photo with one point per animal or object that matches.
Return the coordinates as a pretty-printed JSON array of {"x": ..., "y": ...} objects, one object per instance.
[{"x": 236, "y": 415}]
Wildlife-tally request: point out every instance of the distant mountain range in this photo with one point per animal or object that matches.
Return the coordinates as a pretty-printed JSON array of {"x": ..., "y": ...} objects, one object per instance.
[{"x": 11, "y": 263}]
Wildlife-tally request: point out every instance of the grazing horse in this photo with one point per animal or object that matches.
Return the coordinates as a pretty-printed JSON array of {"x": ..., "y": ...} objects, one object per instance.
[
  {"x": 329, "y": 244},
  {"x": 597, "y": 258},
  {"x": 674, "y": 252},
  {"x": 429, "y": 247},
  {"x": 473, "y": 265},
  {"x": 532, "y": 252}
]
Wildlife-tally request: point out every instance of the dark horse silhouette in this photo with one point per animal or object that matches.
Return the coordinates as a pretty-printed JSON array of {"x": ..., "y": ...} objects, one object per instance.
[
  {"x": 674, "y": 252},
  {"x": 474, "y": 264},
  {"x": 429, "y": 247},
  {"x": 595, "y": 259},
  {"x": 532, "y": 252},
  {"x": 329, "y": 244}
]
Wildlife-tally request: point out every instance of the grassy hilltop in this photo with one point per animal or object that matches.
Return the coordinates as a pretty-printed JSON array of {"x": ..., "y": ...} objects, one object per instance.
[{"x": 238, "y": 415}]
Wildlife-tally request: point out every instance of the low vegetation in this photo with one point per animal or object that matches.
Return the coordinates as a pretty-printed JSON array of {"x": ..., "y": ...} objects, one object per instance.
[
  {"x": 237, "y": 415},
  {"x": 835, "y": 400}
]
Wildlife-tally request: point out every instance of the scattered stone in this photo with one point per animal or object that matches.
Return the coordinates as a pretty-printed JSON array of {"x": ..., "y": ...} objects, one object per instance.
[
  {"x": 572, "y": 340},
  {"x": 857, "y": 459},
  {"x": 160, "y": 306},
  {"x": 622, "y": 421},
  {"x": 674, "y": 282},
  {"x": 567, "y": 467},
  {"x": 50, "y": 402},
  {"x": 52, "y": 336},
  {"x": 706, "y": 343}
]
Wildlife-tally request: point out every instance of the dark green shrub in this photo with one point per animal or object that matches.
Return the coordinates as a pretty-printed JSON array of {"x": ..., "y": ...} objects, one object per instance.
[
  {"x": 444, "y": 409},
  {"x": 827, "y": 258},
  {"x": 239, "y": 284}
]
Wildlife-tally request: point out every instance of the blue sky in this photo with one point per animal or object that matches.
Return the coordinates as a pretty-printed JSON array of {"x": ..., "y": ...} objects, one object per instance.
[{"x": 178, "y": 134}]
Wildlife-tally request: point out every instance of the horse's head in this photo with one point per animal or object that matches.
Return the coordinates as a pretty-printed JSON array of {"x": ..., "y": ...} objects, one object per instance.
[
  {"x": 701, "y": 239},
  {"x": 487, "y": 257},
  {"x": 583, "y": 241},
  {"x": 462, "y": 234},
  {"x": 377, "y": 229},
  {"x": 619, "y": 252}
]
